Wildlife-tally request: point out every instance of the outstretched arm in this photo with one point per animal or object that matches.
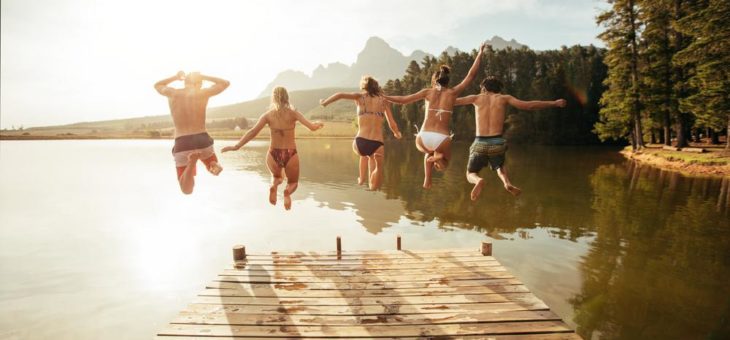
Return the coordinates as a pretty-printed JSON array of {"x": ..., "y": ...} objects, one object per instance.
[
  {"x": 407, "y": 99},
  {"x": 218, "y": 85},
  {"x": 337, "y": 96},
  {"x": 163, "y": 89},
  {"x": 466, "y": 100},
  {"x": 535, "y": 104},
  {"x": 251, "y": 134},
  {"x": 391, "y": 121},
  {"x": 472, "y": 71},
  {"x": 312, "y": 126}
]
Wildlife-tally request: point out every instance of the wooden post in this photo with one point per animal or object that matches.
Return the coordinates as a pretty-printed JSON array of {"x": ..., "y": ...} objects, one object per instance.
[
  {"x": 339, "y": 247},
  {"x": 397, "y": 242},
  {"x": 239, "y": 252},
  {"x": 486, "y": 248}
]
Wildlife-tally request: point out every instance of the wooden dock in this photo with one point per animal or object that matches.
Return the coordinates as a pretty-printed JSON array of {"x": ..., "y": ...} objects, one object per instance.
[{"x": 455, "y": 293}]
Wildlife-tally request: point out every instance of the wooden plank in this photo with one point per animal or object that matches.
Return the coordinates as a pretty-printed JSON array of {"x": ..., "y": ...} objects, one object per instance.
[
  {"x": 349, "y": 256},
  {"x": 670, "y": 148},
  {"x": 344, "y": 320},
  {"x": 369, "y": 272},
  {"x": 370, "y": 331},
  {"x": 365, "y": 293},
  {"x": 694, "y": 150},
  {"x": 369, "y": 266},
  {"x": 374, "y": 262},
  {"x": 541, "y": 336},
  {"x": 366, "y": 279},
  {"x": 495, "y": 307},
  {"x": 364, "y": 301},
  {"x": 358, "y": 252},
  {"x": 400, "y": 286}
]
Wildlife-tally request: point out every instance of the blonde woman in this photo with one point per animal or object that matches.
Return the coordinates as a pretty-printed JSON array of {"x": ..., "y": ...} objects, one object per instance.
[
  {"x": 434, "y": 138},
  {"x": 372, "y": 108},
  {"x": 282, "y": 156}
]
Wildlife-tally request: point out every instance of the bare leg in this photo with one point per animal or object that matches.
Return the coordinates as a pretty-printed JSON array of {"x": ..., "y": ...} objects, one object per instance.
[
  {"x": 376, "y": 175},
  {"x": 502, "y": 173},
  {"x": 478, "y": 182},
  {"x": 292, "y": 180},
  {"x": 362, "y": 166},
  {"x": 371, "y": 169},
  {"x": 275, "y": 177},
  {"x": 363, "y": 174},
  {"x": 427, "y": 168},
  {"x": 187, "y": 179}
]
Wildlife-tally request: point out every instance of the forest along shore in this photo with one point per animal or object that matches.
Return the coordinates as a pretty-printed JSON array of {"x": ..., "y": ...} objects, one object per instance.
[{"x": 698, "y": 160}]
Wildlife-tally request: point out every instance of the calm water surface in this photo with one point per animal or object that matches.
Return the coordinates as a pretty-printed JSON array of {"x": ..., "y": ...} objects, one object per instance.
[{"x": 97, "y": 242}]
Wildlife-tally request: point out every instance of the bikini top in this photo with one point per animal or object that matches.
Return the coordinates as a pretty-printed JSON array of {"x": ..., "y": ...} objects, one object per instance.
[
  {"x": 439, "y": 112},
  {"x": 365, "y": 111},
  {"x": 280, "y": 131}
]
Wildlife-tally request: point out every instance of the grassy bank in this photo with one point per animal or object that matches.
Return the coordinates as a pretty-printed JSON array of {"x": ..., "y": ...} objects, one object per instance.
[{"x": 713, "y": 162}]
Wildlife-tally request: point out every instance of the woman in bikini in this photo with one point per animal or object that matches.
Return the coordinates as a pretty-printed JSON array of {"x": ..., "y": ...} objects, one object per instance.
[
  {"x": 368, "y": 144},
  {"x": 434, "y": 138},
  {"x": 282, "y": 155}
]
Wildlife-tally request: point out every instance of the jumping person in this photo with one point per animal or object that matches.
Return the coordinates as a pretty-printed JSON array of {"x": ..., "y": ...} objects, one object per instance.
[
  {"x": 187, "y": 107},
  {"x": 489, "y": 146},
  {"x": 434, "y": 138},
  {"x": 368, "y": 144},
  {"x": 282, "y": 156}
]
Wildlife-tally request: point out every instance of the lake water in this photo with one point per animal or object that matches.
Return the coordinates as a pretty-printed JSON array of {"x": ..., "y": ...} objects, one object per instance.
[{"x": 96, "y": 241}]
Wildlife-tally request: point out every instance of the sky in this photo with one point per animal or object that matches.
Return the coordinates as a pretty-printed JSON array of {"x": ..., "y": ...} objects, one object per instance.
[{"x": 67, "y": 61}]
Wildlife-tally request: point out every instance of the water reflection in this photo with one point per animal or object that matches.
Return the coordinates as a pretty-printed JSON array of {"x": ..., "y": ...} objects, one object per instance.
[{"x": 659, "y": 265}]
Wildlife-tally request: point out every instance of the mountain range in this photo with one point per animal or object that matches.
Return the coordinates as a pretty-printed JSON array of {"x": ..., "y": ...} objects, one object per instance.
[{"x": 377, "y": 59}]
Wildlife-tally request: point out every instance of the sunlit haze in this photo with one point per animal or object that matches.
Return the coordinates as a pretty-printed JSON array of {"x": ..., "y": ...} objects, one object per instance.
[{"x": 82, "y": 60}]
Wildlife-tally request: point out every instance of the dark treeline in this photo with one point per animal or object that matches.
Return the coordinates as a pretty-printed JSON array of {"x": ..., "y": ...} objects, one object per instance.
[
  {"x": 668, "y": 71},
  {"x": 575, "y": 73}
]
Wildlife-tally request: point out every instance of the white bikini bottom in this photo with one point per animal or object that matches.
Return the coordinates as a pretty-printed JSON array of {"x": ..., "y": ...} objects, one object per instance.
[{"x": 431, "y": 140}]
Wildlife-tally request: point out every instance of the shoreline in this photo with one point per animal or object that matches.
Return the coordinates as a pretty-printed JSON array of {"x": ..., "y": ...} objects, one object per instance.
[{"x": 709, "y": 164}]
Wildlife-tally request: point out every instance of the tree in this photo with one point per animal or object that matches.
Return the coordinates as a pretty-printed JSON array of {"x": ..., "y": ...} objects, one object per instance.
[
  {"x": 709, "y": 53},
  {"x": 620, "y": 102}
]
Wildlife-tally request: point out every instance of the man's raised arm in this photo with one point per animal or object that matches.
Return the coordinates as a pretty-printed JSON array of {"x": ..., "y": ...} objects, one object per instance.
[
  {"x": 534, "y": 104},
  {"x": 218, "y": 85},
  {"x": 163, "y": 89}
]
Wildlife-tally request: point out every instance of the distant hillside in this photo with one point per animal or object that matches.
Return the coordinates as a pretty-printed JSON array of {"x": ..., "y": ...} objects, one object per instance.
[{"x": 377, "y": 59}]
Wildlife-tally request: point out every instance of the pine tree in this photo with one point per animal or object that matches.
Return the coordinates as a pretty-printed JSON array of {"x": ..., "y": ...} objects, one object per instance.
[
  {"x": 620, "y": 114},
  {"x": 709, "y": 53}
]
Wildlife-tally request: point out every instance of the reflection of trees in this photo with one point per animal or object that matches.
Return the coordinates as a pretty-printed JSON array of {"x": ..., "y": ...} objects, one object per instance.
[
  {"x": 659, "y": 265},
  {"x": 554, "y": 179}
]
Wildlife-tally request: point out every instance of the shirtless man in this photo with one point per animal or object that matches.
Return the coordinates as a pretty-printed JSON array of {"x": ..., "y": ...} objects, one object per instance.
[
  {"x": 489, "y": 147},
  {"x": 187, "y": 107}
]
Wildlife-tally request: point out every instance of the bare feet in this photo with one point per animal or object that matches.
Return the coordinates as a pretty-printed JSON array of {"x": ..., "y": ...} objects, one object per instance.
[
  {"x": 360, "y": 181},
  {"x": 427, "y": 184},
  {"x": 272, "y": 190},
  {"x": 215, "y": 168},
  {"x": 512, "y": 189},
  {"x": 287, "y": 200},
  {"x": 477, "y": 190}
]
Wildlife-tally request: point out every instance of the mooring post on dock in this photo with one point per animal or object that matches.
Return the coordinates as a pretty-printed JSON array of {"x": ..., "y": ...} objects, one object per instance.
[
  {"x": 397, "y": 242},
  {"x": 486, "y": 248},
  {"x": 239, "y": 255},
  {"x": 339, "y": 247}
]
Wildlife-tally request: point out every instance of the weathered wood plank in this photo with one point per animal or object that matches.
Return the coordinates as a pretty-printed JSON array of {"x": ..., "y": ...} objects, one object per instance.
[
  {"x": 386, "y": 252},
  {"x": 365, "y": 293},
  {"x": 530, "y": 327},
  {"x": 495, "y": 307},
  {"x": 363, "y": 286},
  {"x": 365, "y": 279},
  {"x": 364, "y": 301},
  {"x": 371, "y": 272},
  {"x": 542, "y": 336},
  {"x": 380, "y": 261},
  {"x": 361, "y": 266},
  {"x": 344, "y": 320}
]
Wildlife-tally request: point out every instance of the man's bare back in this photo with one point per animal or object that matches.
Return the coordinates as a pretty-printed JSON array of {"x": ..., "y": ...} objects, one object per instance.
[{"x": 489, "y": 147}]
